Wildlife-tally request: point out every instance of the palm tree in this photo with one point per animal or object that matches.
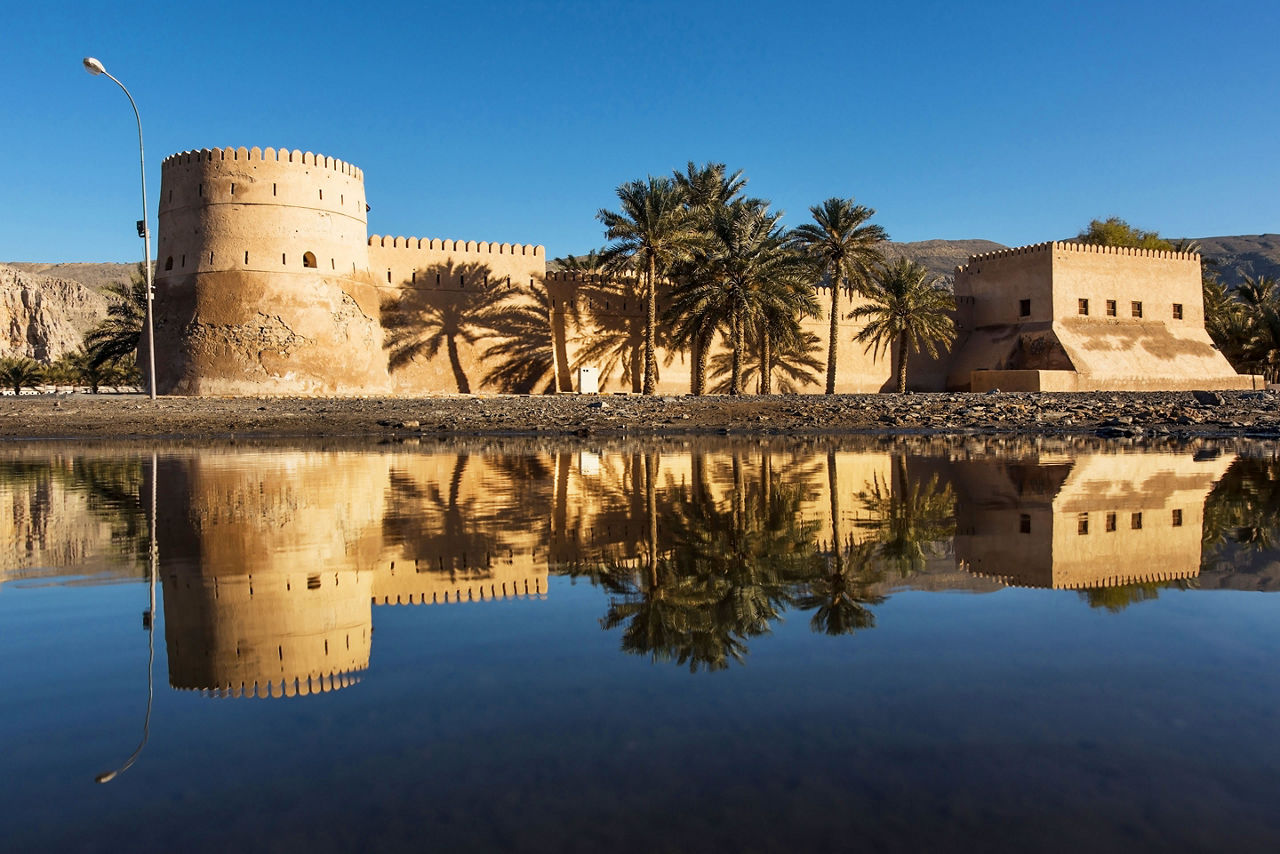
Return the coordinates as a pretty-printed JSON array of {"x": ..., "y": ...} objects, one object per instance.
[
  {"x": 651, "y": 231},
  {"x": 753, "y": 277},
  {"x": 846, "y": 247},
  {"x": 18, "y": 373},
  {"x": 908, "y": 308},
  {"x": 117, "y": 336}
]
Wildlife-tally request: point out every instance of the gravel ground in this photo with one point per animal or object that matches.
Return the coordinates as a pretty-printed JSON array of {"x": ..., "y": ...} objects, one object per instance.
[{"x": 1102, "y": 414}]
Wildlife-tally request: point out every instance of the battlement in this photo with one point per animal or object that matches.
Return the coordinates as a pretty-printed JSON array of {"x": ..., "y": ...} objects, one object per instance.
[
  {"x": 1099, "y": 582},
  {"x": 468, "y": 246},
  {"x": 478, "y": 591},
  {"x": 262, "y": 155},
  {"x": 589, "y": 278},
  {"x": 1081, "y": 248},
  {"x": 297, "y": 687}
]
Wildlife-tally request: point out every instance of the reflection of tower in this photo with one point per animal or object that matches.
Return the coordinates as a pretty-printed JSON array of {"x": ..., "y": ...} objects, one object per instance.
[
  {"x": 266, "y": 573},
  {"x": 273, "y": 635},
  {"x": 1088, "y": 521}
]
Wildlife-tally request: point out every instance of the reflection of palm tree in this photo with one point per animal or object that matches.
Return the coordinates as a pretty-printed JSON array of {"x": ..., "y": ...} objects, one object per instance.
[
  {"x": 1243, "y": 509},
  {"x": 840, "y": 596},
  {"x": 420, "y": 320},
  {"x": 725, "y": 577},
  {"x": 908, "y": 519}
]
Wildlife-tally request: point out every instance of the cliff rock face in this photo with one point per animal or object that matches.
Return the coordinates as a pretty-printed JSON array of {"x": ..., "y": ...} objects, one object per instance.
[{"x": 43, "y": 317}]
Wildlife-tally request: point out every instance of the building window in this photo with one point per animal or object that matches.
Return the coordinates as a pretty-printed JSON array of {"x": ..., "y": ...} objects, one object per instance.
[
  {"x": 388, "y": 277},
  {"x": 1136, "y": 308},
  {"x": 168, "y": 263},
  {"x": 1083, "y": 306},
  {"x": 283, "y": 261},
  {"x": 308, "y": 259},
  {"x": 1111, "y": 308},
  {"x": 1177, "y": 518},
  {"x": 1177, "y": 311},
  {"x": 233, "y": 188},
  {"x": 1082, "y": 523},
  {"x": 1135, "y": 521},
  {"x": 246, "y": 257},
  {"x": 1024, "y": 523},
  {"x": 1111, "y": 522},
  {"x": 1024, "y": 308}
]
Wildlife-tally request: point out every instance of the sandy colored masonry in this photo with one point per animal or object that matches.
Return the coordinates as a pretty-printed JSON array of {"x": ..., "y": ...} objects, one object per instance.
[{"x": 269, "y": 284}]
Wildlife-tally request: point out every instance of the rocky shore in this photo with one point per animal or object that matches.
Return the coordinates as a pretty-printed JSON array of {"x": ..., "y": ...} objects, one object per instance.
[{"x": 1111, "y": 415}]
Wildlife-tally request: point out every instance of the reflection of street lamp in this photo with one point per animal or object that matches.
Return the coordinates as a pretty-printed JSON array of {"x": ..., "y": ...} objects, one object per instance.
[
  {"x": 149, "y": 622},
  {"x": 95, "y": 68}
]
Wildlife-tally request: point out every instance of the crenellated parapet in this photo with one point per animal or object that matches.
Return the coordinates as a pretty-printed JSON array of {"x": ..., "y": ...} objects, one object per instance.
[
  {"x": 262, "y": 155},
  {"x": 1071, "y": 246},
  {"x": 457, "y": 246}
]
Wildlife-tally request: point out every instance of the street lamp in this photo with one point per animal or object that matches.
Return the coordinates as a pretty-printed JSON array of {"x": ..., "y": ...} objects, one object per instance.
[{"x": 95, "y": 68}]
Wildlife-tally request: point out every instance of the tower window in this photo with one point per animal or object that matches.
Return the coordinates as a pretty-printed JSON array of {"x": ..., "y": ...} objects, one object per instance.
[
  {"x": 1111, "y": 308},
  {"x": 1135, "y": 308},
  {"x": 1024, "y": 523},
  {"x": 1177, "y": 311},
  {"x": 1177, "y": 518},
  {"x": 1135, "y": 521},
  {"x": 388, "y": 277},
  {"x": 309, "y": 259},
  {"x": 1111, "y": 522},
  {"x": 168, "y": 263},
  {"x": 246, "y": 257},
  {"x": 233, "y": 188},
  {"x": 322, "y": 195},
  {"x": 1083, "y": 306},
  {"x": 1024, "y": 308},
  {"x": 283, "y": 260},
  {"x": 200, "y": 190},
  {"x": 273, "y": 189}
]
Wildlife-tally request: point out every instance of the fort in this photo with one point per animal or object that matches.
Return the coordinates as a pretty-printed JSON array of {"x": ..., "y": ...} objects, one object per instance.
[{"x": 269, "y": 284}]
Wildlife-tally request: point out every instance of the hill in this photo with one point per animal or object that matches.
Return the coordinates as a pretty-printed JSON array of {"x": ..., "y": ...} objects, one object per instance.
[
  {"x": 1254, "y": 254},
  {"x": 43, "y": 317}
]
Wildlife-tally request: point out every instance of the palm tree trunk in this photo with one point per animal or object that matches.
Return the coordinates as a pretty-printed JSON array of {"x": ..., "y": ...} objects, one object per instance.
[
  {"x": 735, "y": 377},
  {"x": 459, "y": 375},
  {"x": 902, "y": 364},
  {"x": 766, "y": 361},
  {"x": 650, "y": 328},
  {"x": 700, "y": 346},
  {"x": 831, "y": 341}
]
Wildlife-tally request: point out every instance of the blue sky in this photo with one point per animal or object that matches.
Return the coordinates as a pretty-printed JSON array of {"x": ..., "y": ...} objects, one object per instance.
[{"x": 1014, "y": 122}]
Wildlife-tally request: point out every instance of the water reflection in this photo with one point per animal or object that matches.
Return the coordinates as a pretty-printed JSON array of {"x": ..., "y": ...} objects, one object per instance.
[{"x": 273, "y": 562}]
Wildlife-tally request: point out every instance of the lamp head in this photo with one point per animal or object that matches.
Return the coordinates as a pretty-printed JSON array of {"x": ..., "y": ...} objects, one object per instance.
[{"x": 94, "y": 67}]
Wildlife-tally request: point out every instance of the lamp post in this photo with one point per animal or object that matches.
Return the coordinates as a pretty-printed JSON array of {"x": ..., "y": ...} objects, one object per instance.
[{"x": 95, "y": 68}]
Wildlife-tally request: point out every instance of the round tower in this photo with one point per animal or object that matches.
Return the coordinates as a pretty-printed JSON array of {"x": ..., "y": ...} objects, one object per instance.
[{"x": 262, "y": 279}]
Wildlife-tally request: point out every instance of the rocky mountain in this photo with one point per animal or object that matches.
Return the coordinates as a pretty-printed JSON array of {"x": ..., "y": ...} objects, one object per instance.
[
  {"x": 941, "y": 257},
  {"x": 93, "y": 276},
  {"x": 1254, "y": 254},
  {"x": 43, "y": 317}
]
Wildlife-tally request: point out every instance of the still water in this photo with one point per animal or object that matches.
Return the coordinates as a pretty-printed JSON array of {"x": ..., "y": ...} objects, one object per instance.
[{"x": 670, "y": 647}]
